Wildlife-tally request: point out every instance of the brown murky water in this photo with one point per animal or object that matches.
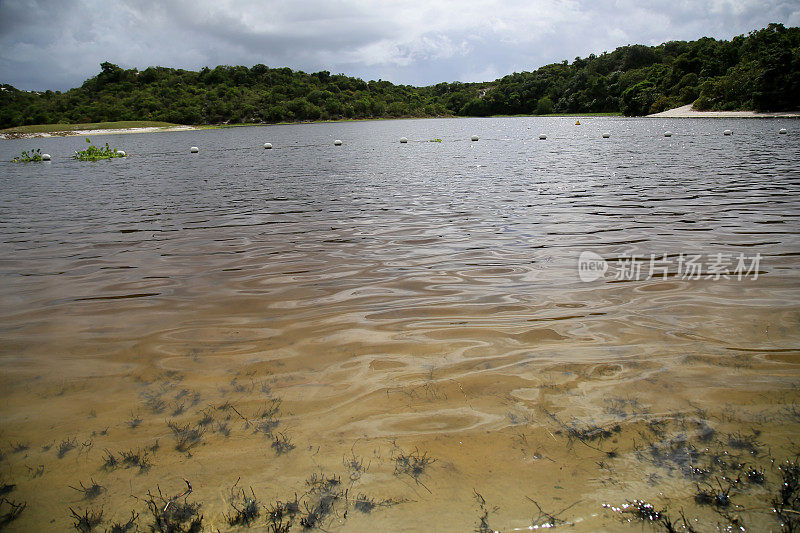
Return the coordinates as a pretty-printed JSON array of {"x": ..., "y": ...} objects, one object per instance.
[{"x": 396, "y": 334}]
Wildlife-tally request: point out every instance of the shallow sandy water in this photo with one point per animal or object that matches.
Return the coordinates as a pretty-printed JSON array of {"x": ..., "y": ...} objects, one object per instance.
[{"x": 402, "y": 305}]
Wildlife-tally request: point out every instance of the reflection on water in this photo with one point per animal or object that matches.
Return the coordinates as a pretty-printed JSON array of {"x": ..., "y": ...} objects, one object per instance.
[{"x": 405, "y": 318}]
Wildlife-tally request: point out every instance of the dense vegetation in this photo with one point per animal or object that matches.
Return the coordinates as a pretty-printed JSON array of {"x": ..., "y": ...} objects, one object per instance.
[
  {"x": 758, "y": 71},
  {"x": 93, "y": 153},
  {"x": 34, "y": 156}
]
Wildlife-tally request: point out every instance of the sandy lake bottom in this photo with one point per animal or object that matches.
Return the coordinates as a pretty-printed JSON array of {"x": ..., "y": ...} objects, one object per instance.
[{"x": 395, "y": 337}]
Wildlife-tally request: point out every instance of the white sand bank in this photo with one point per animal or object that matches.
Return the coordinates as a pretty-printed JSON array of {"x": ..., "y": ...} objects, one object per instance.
[{"x": 687, "y": 112}]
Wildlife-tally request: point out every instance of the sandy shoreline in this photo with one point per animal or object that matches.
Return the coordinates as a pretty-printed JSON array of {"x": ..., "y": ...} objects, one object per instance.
[
  {"x": 678, "y": 112},
  {"x": 687, "y": 112},
  {"x": 151, "y": 129}
]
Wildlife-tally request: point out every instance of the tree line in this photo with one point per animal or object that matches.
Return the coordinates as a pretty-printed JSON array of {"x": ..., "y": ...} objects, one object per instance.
[{"x": 757, "y": 71}]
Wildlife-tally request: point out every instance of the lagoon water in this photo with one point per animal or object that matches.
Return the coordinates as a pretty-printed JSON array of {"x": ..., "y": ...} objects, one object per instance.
[{"x": 410, "y": 317}]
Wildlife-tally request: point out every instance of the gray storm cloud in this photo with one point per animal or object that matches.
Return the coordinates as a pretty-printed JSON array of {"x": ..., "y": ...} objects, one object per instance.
[{"x": 56, "y": 44}]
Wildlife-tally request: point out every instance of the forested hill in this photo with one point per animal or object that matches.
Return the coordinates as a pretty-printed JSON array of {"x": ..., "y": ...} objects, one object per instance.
[{"x": 758, "y": 71}]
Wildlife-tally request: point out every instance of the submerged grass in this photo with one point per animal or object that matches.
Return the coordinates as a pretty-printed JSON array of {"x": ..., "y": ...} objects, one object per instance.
[
  {"x": 186, "y": 436},
  {"x": 787, "y": 501},
  {"x": 246, "y": 509},
  {"x": 90, "y": 491},
  {"x": 413, "y": 465},
  {"x": 10, "y": 511},
  {"x": 129, "y": 459},
  {"x": 125, "y": 527},
  {"x": 722, "y": 467},
  {"x": 282, "y": 444},
  {"x": 88, "y": 521},
  {"x": 171, "y": 515},
  {"x": 323, "y": 495},
  {"x": 65, "y": 446},
  {"x": 281, "y": 516}
]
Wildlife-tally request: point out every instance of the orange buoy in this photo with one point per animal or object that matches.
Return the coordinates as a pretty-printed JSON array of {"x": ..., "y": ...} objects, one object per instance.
[{"x": 578, "y": 123}]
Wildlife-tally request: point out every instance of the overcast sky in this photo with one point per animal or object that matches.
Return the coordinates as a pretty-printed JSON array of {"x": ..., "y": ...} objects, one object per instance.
[{"x": 57, "y": 44}]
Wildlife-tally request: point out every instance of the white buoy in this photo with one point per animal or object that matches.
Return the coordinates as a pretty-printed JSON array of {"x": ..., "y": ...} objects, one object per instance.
[
  {"x": 267, "y": 146},
  {"x": 122, "y": 153},
  {"x": 194, "y": 149},
  {"x": 45, "y": 157},
  {"x": 337, "y": 142},
  {"x": 667, "y": 134},
  {"x": 474, "y": 137},
  {"x": 606, "y": 135},
  {"x": 727, "y": 132},
  {"x": 542, "y": 137},
  {"x": 403, "y": 140},
  {"x": 783, "y": 131}
]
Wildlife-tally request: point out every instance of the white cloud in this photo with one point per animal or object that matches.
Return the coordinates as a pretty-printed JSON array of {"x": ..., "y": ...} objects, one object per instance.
[{"x": 59, "y": 43}]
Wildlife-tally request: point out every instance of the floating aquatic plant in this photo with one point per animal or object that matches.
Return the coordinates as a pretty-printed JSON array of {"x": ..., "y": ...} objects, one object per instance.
[
  {"x": 93, "y": 153},
  {"x": 29, "y": 157}
]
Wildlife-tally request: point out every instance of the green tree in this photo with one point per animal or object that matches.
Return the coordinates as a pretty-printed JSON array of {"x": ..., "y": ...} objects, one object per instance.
[{"x": 544, "y": 106}]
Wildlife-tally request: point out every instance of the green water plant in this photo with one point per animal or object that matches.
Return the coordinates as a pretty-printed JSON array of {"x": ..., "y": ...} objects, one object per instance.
[
  {"x": 29, "y": 157},
  {"x": 435, "y": 140},
  {"x": 93, "y": 153}
]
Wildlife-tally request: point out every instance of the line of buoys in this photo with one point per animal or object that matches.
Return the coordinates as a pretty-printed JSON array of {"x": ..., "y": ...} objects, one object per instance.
[{"x": 404, "y": 140}]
